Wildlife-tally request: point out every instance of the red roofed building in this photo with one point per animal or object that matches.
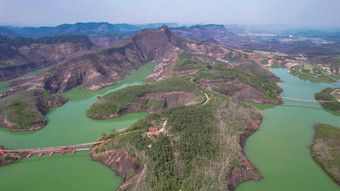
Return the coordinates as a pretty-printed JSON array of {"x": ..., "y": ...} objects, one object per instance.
[{"x": 154, "y": 131}]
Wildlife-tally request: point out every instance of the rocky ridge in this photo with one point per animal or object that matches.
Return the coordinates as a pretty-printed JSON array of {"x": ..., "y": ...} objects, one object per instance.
[
  {"x": 18, "y": 58},
  {"x": 98, "y": 69}
]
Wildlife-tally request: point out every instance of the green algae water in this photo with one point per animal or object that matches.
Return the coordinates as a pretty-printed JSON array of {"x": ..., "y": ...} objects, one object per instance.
[
  {"x": 280, "y": 148},
  {"x": 67, "y": 125}
]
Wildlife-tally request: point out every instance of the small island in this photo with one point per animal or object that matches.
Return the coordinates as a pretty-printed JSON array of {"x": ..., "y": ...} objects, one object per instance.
[
  {"x": 330, "y": 98},
  {"x": 24, "y": 111},
  {"x": 326, "y": 149}
]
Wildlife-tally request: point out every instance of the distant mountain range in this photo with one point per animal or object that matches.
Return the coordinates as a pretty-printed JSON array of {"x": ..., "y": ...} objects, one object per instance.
[{"x": 90, "y": 29}]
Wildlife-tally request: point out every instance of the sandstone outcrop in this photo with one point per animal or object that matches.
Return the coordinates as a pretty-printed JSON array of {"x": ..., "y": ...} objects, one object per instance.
[
  {"x": 128, "y": 167},
  {"x": 246, "y": 170},
  {"x": 21, "y": 58}
]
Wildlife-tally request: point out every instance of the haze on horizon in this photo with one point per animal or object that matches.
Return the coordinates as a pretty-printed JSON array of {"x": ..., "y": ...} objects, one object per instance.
[{"x": 319, "y": 13}]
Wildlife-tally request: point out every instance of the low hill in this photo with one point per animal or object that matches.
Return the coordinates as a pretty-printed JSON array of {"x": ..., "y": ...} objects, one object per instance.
[
  {"x": 329, "y": 94},
  {"x": 7, "y": 32},
  {"x": 239, "y": 85},
  {"x": 326, "y": 149},
  {"x": 25, "y": 110},
  {"x": 201, "y": 147},
  {"x": 151, "y": 97}
]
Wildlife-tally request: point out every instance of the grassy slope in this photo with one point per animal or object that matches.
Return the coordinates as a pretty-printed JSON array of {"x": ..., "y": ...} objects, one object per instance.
[
  {"x": 269, "y": 88},
  {"x": 211, "y": 68},
  {"x": 114, "y": 102},
  {"x": 21, "y": 108},
  {"x": 272, "y": 54},
  {"x": 335, "y": 94},
  {"x": 194, "y": 61},
  {"x": 306, "y": 74},
  {"x": 197, "y": 153},
  {"x": 326, "y": 149},
  {"x": 324, "y": 95}
]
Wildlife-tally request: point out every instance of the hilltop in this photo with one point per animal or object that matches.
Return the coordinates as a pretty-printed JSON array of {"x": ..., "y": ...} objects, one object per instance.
[
  {"x": 25, "y": 110},
  {"x": 151, "y": 97},
  {"x": 201, "y": 147}
]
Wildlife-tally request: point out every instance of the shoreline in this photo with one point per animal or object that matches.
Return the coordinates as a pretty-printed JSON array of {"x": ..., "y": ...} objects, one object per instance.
[
  {"x": 317, "y": 147},
  {"x": 116, "y": 158}
]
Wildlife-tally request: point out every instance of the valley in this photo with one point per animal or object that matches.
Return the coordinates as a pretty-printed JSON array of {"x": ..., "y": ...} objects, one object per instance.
[{"x": 201, "y": 93}]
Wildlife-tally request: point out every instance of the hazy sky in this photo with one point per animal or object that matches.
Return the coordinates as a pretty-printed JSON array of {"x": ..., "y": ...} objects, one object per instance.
[{"x": 55, "y": 12}]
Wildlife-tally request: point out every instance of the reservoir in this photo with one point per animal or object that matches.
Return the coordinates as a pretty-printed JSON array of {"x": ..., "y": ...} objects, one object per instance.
[
  {"x": 280, "y": 148},
  {"x": 67, "y": 125}
]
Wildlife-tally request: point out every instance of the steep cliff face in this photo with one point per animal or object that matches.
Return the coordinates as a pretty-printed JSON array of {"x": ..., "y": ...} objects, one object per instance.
[
  {"x": 246, "y": 170},
  {"x": 98, "y": 69},
  {"x": 45, "y": 104},
  {"x": 17, "y": 59},
  {"x": 125, "y": 165}
]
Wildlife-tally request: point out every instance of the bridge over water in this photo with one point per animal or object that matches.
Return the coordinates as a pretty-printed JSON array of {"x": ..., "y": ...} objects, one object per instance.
[
  {"x": 305, "y": 100},
  {"x": 51, "y": 150}
]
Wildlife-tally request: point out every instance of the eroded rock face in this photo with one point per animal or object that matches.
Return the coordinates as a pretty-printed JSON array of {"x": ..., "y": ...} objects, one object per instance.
[
  {"x": 246, "y": 170},
  {"x": 44, "y": 104},
  {"x": 24, "y": 58},
  {"x": 125, "y": 165},
  {"x": 98, "y": 69}
]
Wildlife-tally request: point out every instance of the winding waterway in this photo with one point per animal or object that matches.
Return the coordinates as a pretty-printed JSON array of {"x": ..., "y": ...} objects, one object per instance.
[
  {"x": 67, "y": 125},
  {"x": 279, "y": 149}
]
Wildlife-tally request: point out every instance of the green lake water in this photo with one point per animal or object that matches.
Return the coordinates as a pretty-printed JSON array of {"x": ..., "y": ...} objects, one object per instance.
[
  {"x": 67, "y": 125},
  {"x": 280, "y": 148}
]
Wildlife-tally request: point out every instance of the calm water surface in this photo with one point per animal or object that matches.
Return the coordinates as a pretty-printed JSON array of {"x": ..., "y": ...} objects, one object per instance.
[
  {"x": 280, "y": 149},
  {"x": 67, "y": 125}
]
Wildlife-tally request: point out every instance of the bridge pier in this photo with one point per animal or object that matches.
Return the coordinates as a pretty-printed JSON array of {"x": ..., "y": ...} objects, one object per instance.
[{"x": 51, "y": 150}]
